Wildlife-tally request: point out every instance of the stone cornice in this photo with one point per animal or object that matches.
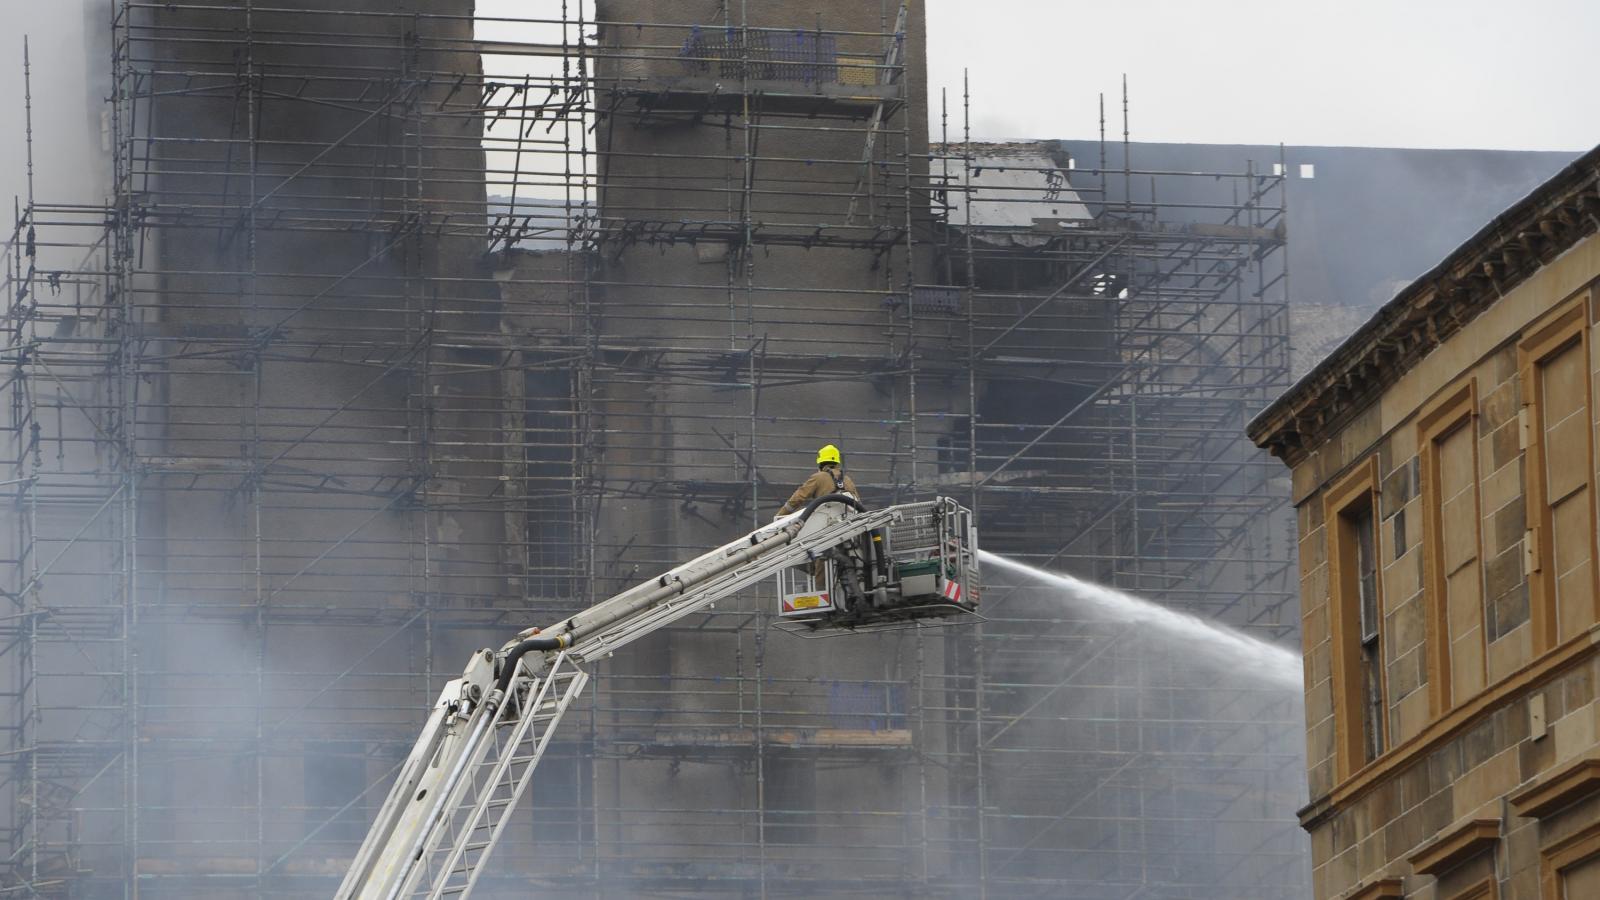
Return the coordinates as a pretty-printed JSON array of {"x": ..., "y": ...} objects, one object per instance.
[
  {"x": 1382, "y": 889},
  {"x": 1559, "y": 790},
  {"x": 1456, "y": 846},
  {"x": 1557, "y": 215}
]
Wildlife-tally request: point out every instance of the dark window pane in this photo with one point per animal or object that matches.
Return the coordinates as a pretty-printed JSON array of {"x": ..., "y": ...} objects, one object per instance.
[
  {"x": 1367, "y": 570},
  {"x": 1369, "y": 618},
  {"x": 790, "y": 799},
  {"x": 1373, "y": 708},
  {"x": 336, "y": 774},
  {"x": 555, "y": 797}
]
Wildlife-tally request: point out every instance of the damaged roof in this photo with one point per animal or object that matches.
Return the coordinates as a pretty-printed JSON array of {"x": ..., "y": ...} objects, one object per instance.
[{"x": 1012, "y": 185}]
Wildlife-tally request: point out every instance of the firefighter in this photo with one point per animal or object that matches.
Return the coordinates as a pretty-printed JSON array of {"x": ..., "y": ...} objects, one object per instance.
[{"x": 828, "y": 479}]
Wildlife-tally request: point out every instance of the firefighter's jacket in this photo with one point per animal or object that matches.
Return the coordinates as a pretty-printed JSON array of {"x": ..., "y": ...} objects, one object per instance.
[{"x": 820, "y": 484}]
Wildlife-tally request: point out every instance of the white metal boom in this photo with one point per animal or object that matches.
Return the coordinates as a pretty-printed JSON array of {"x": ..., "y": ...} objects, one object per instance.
[{"x": 457, "y": 789}]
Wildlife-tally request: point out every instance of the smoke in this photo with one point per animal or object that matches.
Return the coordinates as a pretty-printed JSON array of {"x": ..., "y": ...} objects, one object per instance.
[
  {"x": 69, "y": 50},
  {"x": 276, "y": 734}
]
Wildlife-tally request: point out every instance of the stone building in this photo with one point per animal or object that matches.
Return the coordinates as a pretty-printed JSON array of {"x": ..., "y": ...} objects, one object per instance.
[{"x": 1444, "y": 475}]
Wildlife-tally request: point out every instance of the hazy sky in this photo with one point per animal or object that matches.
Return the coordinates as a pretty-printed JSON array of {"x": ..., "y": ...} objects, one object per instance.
[{"x": 1404, "y": 73}]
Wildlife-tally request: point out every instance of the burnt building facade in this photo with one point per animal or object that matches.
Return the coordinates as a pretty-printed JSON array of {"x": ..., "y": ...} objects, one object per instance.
[{"x": 407, "y": 326}]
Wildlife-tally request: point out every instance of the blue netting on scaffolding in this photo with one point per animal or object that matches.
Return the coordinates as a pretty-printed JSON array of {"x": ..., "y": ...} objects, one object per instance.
[{"x": 805, "y": 56}]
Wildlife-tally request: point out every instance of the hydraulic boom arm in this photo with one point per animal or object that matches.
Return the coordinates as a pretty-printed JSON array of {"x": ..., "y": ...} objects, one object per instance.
[{"x": 457, "y": 789}]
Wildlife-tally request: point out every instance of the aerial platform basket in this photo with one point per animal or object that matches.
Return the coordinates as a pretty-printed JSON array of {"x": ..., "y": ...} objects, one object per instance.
[{"x": 920, "y": 570}]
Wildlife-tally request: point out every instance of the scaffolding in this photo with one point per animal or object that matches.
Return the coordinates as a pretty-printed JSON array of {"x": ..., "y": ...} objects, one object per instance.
[
  {"x": 403, "y": 328},
  {"x": 1114, "y": 756}
]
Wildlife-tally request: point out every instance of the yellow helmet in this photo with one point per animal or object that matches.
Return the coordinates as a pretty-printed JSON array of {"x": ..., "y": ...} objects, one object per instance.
[{"x": 828, "y": 454}]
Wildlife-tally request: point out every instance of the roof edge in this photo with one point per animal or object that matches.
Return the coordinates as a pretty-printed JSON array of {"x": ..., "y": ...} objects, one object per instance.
[{"x": 1554, "y": 217}]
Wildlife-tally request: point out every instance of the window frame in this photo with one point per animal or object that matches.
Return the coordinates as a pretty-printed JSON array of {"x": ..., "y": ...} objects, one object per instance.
[
  {"x": 1354, "y": 491},
  {"x": 1555, "y": 859},
  {"x": 1455, "y": 408},
  {"x": 1568, "y": 324}
]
